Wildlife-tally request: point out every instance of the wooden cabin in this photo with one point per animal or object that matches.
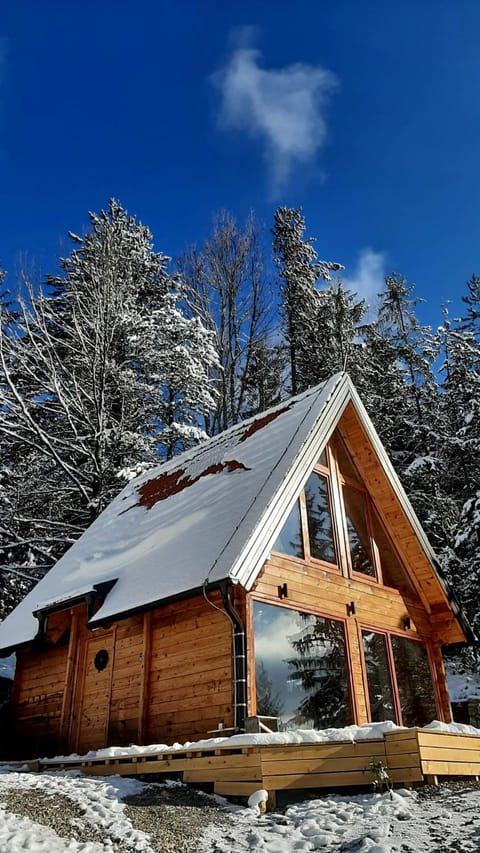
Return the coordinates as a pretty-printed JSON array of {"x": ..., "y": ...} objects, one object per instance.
[{"x": 276, "y": 574}]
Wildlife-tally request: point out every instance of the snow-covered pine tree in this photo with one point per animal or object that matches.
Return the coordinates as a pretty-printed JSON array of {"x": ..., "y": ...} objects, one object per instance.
[
  {"x": 22, "y": 544},
  {"x": 264, "y": 379},
  {"x": 102, "y": 377},
  {"x": 333, "y": 342},
  {"x": 415, "y": 410},
  {"x": 472, "y": 321},
  {"x": 381, "y": 384},
  {"x": 460, "y": 402},
  {"x": 181, "y": 360},
  {"x": 299, "y": 269}
]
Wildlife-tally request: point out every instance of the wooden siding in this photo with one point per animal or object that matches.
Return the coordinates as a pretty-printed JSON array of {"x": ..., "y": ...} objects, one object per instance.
[
  {"x": 168, "y": 678},
  {"x": 190, "y": 689}
]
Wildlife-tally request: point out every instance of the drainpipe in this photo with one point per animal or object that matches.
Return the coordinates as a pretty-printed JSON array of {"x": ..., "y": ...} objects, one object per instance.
[{"x": 239, "y": 656}]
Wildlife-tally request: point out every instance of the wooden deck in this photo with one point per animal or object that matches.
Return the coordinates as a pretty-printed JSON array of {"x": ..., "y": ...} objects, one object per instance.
[{"x": 410, "y": 755}]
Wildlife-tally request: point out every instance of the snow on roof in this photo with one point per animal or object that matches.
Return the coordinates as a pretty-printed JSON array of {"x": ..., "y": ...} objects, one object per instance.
[
  {"x": 186, "y": 521},
  {"x": 210, "y": 514},
  {"x": 57, "y": 600}
]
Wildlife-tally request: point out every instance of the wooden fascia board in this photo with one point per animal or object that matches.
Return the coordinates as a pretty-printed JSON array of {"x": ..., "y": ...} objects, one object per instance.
[{"x": 250, "y": 562}]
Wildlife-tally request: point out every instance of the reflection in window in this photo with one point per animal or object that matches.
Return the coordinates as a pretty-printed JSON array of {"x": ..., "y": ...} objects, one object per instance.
[
  {"x": 289, "y": 540},
  {"x": 414, "y": 678},
  {"x": 393, "y": 573},
  {"x": 357, "y": 530},
  {"x": 378, "y": 677},
  {"x": 320, "y": 527},
  {"x": 301, "y": 668},
  {"x": 345, "y": 464}
]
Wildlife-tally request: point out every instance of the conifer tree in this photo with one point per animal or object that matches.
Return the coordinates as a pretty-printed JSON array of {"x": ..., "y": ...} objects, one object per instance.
[
  {"x": 299, "y": 269},
  {"x": 414, "y": 421},
  {"x": 100, "y": 376}
]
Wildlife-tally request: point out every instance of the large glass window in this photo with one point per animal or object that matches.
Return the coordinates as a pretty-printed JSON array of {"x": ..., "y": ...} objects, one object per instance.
[
  {"x": 393, "y": 573},
  {"x": 319, "y": 515},
  {"x": 414, "y": 678},
  {"x": 313, "y": 530},
  {"x": 357, "y": 531},
  {"x": 301, "y": 668},
  {"x": 380, "y": 692},
  {"x": 344, "y": 462},
  {"x": 416, "y": 694},
  {"x": 289, "y": 541}
]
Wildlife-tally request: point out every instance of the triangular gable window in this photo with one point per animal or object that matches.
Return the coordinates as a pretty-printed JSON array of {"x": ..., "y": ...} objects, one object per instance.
[
  {"x": 309, "y": 532},
  {"x": 335, "y": 506}
]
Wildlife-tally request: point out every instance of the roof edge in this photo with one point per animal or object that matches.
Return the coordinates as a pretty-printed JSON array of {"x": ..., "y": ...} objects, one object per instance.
[{"x": 249, "y": 563}]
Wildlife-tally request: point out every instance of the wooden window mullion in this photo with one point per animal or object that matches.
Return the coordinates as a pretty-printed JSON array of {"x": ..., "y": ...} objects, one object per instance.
[
  {"x": 338, "y": 516},
  {"x": 377, "y": 563},
  {"x": 393, "y": 680},
  {"x": 304, "y": 526}
]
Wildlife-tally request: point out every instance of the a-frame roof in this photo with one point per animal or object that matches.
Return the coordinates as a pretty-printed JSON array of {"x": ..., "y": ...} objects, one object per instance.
[{"x": 210, "y": 514}]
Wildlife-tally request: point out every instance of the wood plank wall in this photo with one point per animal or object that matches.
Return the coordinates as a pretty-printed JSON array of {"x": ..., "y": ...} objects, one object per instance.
[
  {"x": 190, "y": 689},
  {"x": 169, "y": 678}
]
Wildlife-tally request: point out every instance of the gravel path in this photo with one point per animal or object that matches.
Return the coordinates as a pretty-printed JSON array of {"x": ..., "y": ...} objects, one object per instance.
[
  {"x": 173, "y": 817},
  {"x": 57, "y": 812}
]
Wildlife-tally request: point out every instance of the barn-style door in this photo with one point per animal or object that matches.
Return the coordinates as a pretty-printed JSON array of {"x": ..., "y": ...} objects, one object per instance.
[{"x": 93, "y": 691}]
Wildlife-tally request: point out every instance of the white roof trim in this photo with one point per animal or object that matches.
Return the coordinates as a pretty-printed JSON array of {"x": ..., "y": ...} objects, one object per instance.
[{"x": 249, "y": 563}]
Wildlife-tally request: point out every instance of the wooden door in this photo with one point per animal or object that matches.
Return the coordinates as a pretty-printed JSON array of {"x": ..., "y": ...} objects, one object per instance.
[{"x": 94, "y": 687}]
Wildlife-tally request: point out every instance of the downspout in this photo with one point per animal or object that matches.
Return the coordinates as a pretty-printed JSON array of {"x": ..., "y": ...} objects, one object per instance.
[
  {"x": 238, "y": 654},
  {"x": 239, "y": 659}
]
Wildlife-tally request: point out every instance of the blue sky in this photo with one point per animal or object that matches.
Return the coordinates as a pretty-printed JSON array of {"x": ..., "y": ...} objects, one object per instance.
[{"x": 366, "y": 114}]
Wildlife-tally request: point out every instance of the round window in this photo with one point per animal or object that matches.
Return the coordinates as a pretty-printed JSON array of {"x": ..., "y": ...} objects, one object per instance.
[{"x": 101, "y": 660}]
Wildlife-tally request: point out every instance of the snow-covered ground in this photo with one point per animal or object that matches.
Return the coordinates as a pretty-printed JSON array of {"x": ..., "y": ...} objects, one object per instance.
[
  {"x": 448, "y": 820},
  {"x": 367, "y": 823}
]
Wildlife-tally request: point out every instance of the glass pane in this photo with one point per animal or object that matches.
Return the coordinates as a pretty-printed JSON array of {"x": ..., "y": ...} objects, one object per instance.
[
  {"x": 301, "y": 668},
  {"x": 378, "y": 677},
  {"x": 393, "y": 572},
  {"x": 344, "y": 462},
  {"x": 414, "y": 679},
  {"x": 289, "y": 540},
  {"x": 323, "y": 459},
  {"x": 357, "y": 530},
  {"x": 320, "y": 528}
]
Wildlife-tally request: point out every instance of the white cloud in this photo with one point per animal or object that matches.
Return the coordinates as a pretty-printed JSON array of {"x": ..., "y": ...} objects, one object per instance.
[
  {"x": 284, "y": 107},
  {"x": 368, "y": 277}
]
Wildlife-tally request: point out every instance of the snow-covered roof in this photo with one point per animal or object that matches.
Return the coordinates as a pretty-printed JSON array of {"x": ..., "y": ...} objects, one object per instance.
[{"x": 210, "y": 514}]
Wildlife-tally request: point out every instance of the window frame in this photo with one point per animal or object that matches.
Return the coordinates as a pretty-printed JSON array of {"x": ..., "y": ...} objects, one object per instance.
[
  {"x": 377, "y": 577},
  {"x": 324, "y": 472},
  {"x": 336, "y": 483},
  {"x": 286, "y": 605},
  {"x": 332, "y": 492},
  {"x": 407, "y": 635}
]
